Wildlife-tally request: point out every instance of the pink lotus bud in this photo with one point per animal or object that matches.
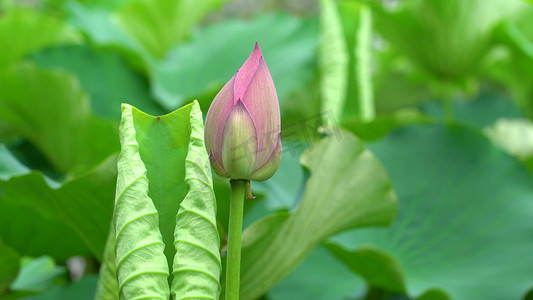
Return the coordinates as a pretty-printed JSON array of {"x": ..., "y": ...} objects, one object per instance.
[{"x": 243, "y": 125}]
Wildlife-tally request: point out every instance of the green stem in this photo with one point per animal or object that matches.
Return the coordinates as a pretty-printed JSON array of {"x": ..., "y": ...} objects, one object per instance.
[{"x": 233, "y": 265}]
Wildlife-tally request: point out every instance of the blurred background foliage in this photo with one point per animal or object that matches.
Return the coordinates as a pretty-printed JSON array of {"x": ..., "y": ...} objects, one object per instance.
[{"x": 440, "y": 91}]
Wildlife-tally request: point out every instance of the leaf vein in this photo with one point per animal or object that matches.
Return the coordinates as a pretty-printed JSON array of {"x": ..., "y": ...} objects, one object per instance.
[
  {"x": 137, "y": 249},
  {"x": 203, "y": 248},
  {"x": 127, "y": 187},
  {"x": 131, "y": 221},
  {"x": 184, "y": 210},
  {"x": 198, "y": 271},
  {"x": 140, "y": 274},
  {"x": 199, "y": 167}
]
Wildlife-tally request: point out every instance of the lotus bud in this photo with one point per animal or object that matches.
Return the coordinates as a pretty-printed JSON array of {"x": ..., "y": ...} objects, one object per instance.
[{"x": 243, "y": 125}]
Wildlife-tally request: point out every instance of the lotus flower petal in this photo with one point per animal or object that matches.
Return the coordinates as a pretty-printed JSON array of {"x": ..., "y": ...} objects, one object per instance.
[
  {"x": 245, "y": 74},
  {"x": 270, "y": 167},
  {"x": 214, "y": 122},
  {"x": 216, "y": 165},
  {"x": 261, "y": 101},
  {"x": 239, "y": 143}
]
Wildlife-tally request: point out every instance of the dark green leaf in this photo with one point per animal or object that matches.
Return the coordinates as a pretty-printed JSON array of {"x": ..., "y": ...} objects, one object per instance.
[
  {"x": 477, "y": 113},
  {"x": 446, "y": 38},
  {"x": 513, "y": 65},
  {"x": 465, "y": 212},
  {"x": 79, "y": 290},
  {"x": 84, "y": 204},
  {"x": 384, "y": 124},
  {"x": 49, "y": 109},
  {"x": 10, "y": 165},
  {"x": 9, "y": 260},
  {"x": 98, "y": 24},
  {"x": 37, "y": 274},
  {"x": 319, "y": 277},
  {"x": 25, "y": 31},
  {"x": 434, "y": 295},
  {"x": 31, "y": 233},
  {"x": 104, "y": 75},
  {"x": 160, "y": 24},
  {"x": 207, "y": 62},
  {"x": 282, "y": 189},
  {"x": 377, "y": 267},
  {"x": 529, "y": 295},
  {"x": 28, "y": 231},
  {"x": 348, "y": 188},
  {"x": 25, "y": 229}
]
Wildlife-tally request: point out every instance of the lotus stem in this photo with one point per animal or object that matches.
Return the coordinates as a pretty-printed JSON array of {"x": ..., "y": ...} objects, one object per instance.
[{"x": 233, "y": 265}]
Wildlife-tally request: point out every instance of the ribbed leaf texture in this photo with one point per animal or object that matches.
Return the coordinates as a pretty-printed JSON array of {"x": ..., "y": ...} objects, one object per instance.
[
  {"x": 197, "y": 264},
  {"x": 142, "y": 268},
  {"x": 164, "y": 211}
]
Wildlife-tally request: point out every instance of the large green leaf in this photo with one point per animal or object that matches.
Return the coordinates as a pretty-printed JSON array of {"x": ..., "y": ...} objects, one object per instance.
[
  {"x": 197, "y": 264},
  {"x": 51, "y": 110},
  {"x": 513, "y": 65},
  {"x": 517, "y": 32},
  {"x": 397, "y": 82},
  {"x": 160, "y": 24},
  {"x": 282, "y": 189},
  {"x": 9, "y": 260},
  {"x": 141, "y": 266},
  {"x": 37, "y": 274},
  {"x": 84, "y": 204},
  {"x": 348, "y": 188},
  {"x": 207, "y": 62},
  {"x": 464, "y": 222},
  {"x": 319, "y": 277},
  {"x": 79, "y": 290},
  {"x": 446, "y": 38},
  {"x": 165, "y": 211},
  {"x": 377, "y": 267},
  {"x": 477, "y": 113},
  {"x": 145, "y": 30},
  {"x": 434, "y": 295},
  {"x": 25, "y": 31},
  {"x": 28, "y": 231},
  {"x": 10, "y": 165},
  {"x": 163, "y": 147},
  {"x": 107, "y": 288},
  {"x": 102, "y": 29},
  {"x": 385, "y": 123},
  {"x": 105, "y": 76},
  {"x": 500, "y": 120},
  {"x": 528, "y": 296}
]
